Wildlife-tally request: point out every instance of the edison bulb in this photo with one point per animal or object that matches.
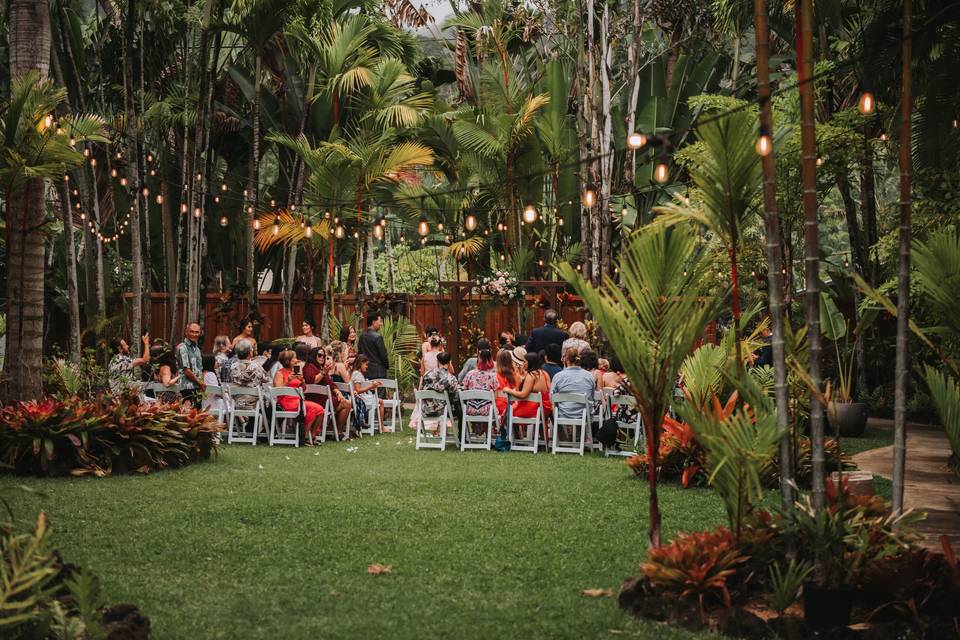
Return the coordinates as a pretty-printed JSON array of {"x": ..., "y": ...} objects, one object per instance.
[
  {"x": 529, "y": 213},
  {"x": 867, "y": 103},
  {"x": 662, "y": 172},
  {"x": 764, "y": 145},
  {"x": 636, "y": 140}
]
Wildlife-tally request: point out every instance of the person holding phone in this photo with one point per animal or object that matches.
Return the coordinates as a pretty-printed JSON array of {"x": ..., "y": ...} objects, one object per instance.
[{"x": 290, "y": 374}]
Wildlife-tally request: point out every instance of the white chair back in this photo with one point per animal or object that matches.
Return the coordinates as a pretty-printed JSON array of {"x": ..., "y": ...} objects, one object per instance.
[
  {"x": 252, "y": 416},
  {"x": 488, "y": 420},
  {"x": 438, "y": 439},
  {"x": 392, "y": 405},
  {"x": 329, "y": 417},
  {"x": 280, "y": 418},
  {"x": 576, "y": 427},
  {"x": 524, "y": 433},
  {"x": 214, "y": 397},
  {"x": 632, "y": 428}
]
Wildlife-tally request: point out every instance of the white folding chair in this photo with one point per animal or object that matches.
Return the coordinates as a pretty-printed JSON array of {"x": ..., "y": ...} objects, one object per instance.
[
  {"x": 467, "y": 439},
  {"x": 218, "y": 401},
  {"x": 346, "y": 390},
  {"x": 429, "y": 441},
  {"x": 370, "y": 428},
  {"x": 151, "y": 390},
  {"x": 254, "y": 413},
  {"x": 329, "y": 417},
  {"x": 634, "y": 427},
  {"x": 515, "y": 425},
  {"x": 392, "y": 406},
  {"x": 280, "y": 418},
  {"x": 580, "y": 423}
]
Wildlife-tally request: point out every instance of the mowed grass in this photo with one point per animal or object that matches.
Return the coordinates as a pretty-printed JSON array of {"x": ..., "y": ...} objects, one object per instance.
[{"x": 275, "y": 542}]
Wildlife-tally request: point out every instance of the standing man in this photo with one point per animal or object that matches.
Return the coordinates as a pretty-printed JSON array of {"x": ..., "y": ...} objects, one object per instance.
[
  {"x": 547, "y": 334},
  {"x": 371, "y": 345},
  {"x": 190, "y": 364}
]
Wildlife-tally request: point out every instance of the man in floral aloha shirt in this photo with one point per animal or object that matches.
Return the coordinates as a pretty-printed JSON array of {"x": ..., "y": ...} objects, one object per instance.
[{"x": 440, "y": 379}]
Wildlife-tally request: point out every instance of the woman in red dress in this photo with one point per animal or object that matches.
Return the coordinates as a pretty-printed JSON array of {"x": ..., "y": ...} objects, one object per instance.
[
  {"x": 506, "y": 379},
  {"x": 289, "y": 375},
  {"x": 532, "y": 379}
]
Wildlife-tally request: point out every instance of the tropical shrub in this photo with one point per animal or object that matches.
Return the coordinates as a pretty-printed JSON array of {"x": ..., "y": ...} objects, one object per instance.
[
  {"x": 696, "y": 566},
  {"x": 100, "y": 437}
]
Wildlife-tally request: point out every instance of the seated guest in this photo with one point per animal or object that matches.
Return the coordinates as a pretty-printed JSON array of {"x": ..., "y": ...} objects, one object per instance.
[
  {"x": 348, "y": 336},
  {"x": 482, "y": 345},
  {"x": 221, "y": 351},
  {"x": 317, "y": 371},
  {"x": 246, "y": 372},
  {"x": 506, "y": 379},
  {"x": 290, "y": 374},
  {"x": 506, "y": 340},
  {"x": 364, "y": 392},
  {"x": 591, "y": 363},
  {"x": 549, "y": 333},
  {"x": 121, "y": 369},
  {"x": 441, "y": 380},
  {"x": 272, "y": 364},
  {"x": 573, "y": 379},
  {"x": 166, "y": 373},
  {"x": 263, "y": 352},
  {"x": 578, "y": 333},
  {"x": 340, "y": 367},
  {"x": 210, "y": 378},
  {"x": 481, "y": 378},
  {"x": 551, "y": 359},
  {"x": 532, "y": 379},
  {"x": 308, "y": 337},
  {"x": 615, "y": 376},
  {"x": 429, "y": 351}
]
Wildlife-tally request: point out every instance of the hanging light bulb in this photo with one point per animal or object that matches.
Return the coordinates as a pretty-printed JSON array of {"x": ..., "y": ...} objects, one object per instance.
[
  {"x": 149, "y": 157},
  {"x": 356, "y": 235},
  {"x": 326, "y": 215},
  {"x": 403, "y": 238},
  {"x": 447, "y": 238},
  {"x": 223, "y": 187},
  {"x": 378, "y": 232},
  {"x": 199, "y": 176},
  {"x": 47, "y": 121},
  {"x": 293, "y": 207},
  {"x": 336, "y": 219},
  {"x": 503, "y": 257},
  {"x": 439, "y": 226},
  {"x": 83, "y": 216},
  {"x": 529, "y": 213},
  {"x": 146, "y": 192},
  {"x": 623, "y": 211},
  {"x": 308, "y": 229},
  {"x": 216, "y": 199},
  {"x": 867, "y": 103},
  {"x": 159, "y": 199},
  {"x": 383, "y": 221},
  {"x": 340, "y": 232},
  {"x": 73, "y": 142},
  {"x": 276, "y": 225},
  {"x": 119, "y": 156},
  {"x": 246, "y": 193},
  {"x": 661, "y": 173},
  {"x": 423, "y": 241},
  {"x": 956, "y": 123},
  {"x": 153, "y": 172},
  {"x": 560, "y": 222},
  {"x": 197, "y": 212},
  {"x": 113, "y": 173},
  {"x": 423, "y": 227},
  {"x": 589, "y": 195},
  {"x": 86, "y": 152},
  {"x": 74, "y": 192},
  {"x": 883, "y": 137},
  {"x": 819, "y": 161},
  {"x": 76, "y": 205},
  {"x": 636, "y": 140},
  {"x": 183, "y": 208},
  {"x": 224, "y": 220},
  {"x": 764, "y": 143},
  {"x": 250, "y": 210},
  {"x": 256, "y": 224},
  {"x": 273, "y": 202}
]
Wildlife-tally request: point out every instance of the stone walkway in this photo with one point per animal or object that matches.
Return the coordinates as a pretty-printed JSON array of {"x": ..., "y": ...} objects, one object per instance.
[{"x": 930, "y": 486}]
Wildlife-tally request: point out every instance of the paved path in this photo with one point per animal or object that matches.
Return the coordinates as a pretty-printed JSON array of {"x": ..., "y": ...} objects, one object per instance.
[{"x": 930, "y": 486}]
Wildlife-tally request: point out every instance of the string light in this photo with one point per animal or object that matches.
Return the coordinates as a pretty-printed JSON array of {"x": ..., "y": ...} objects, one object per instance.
[
  {"x": 153, "y": 172},
  {"x": 403, "y": 238},
  {"x": 183, "y": 208},
  {"x": 866, "y": 103},
  {"x": 589, "y": 195},
  {"x": 73, "y": 142},
  {"x": 86, "y": 152},
  {"x": 560, "y": 222},
  {"x": 356, "y": 235},
  {"x": 439, "y": 226},
  {"x": 146, "y": 192},
  {"x": 113, "y": 173},
  {"x": 423, "y": 227},
  {"x": 83, "y": 216},
  {"x": 378, "y": 232},
  {"x": 199, "y": 176},
  {"x": 423, "y": 241},
  {"x": 623, "y": 211},
  {"x": 47, "y": 121},
  {"x": 123, "y": 182},
  {"x": 223, "y": 187},
  {"x": 308, "y": 229},
  {"x": 661, "y": 172},
  {"x": 197, "y": 212},
  {"x": 636, "y": 140},
  {"x": 276, "y": 225},
  {"x": 293, "y": 207},
  {"x": 529, "y": 213},
  {"x": 159, "y": 199},
  {"x": 256, "y": 224},
  {"x": 764, "y": 143},
  {"x": 224, "y": 220},
  {"x": 119, "y": 156},
  {"x": 149, "y": 157},
  {"x": 470, "y": 222},
  {"x": 340, "y": 232},
  {"x": 883, "y": 137},
  {"x": 819, "y": 161},
  {"x": 273, "y": 202},
  {"x": 326, "y": 215},
  {"x": 216, "y": 199}
]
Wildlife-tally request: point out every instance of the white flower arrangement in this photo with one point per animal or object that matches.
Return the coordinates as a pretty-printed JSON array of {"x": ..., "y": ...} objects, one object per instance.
[{"x": 501, "y": 285}]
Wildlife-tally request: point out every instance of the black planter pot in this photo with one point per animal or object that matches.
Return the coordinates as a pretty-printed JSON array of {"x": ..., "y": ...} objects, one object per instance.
[
  {"x": 825, "y": 608},
  {"x": 849, "y": 417}
]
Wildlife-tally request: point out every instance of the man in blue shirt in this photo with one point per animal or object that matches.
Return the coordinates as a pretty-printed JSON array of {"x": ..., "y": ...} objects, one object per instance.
[
  {"x": 551, "y": 359},
  {"x": 573, "y": 379}
]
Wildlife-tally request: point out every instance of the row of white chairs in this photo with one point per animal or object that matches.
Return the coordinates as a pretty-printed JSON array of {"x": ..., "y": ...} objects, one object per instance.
[
  {"x": 568, "y": 434},
  {"x": 245, "y": 423}
]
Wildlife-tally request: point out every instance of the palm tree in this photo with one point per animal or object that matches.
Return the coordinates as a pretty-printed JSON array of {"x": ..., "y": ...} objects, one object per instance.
[
  {"x": 257, "y": 22},
  {"x": 34, "y": 148},
  {"x": 727, "y": 178},
  {"x": 653, "y": 315}
]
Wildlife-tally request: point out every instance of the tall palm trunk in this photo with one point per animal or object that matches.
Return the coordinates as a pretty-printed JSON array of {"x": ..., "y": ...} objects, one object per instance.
[
  {"x": 73, "y": 299},
  {"x": 774, "y": 258},
  {"x": 286, "y": 293},
  {"x": 133, "y": 175},
  {"x": 252, "y": 199},
  {"x": 903, "y": 292},
  {"x": 811, "y": 239},
  {"x": 29, "y": 49},
  {"x": 868, "y": 205}
]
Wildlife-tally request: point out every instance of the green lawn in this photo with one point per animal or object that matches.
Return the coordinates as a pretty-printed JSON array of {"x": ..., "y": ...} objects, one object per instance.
[
  {"x": 872, "y": 438},
  {"x": 275, "y": 543}
]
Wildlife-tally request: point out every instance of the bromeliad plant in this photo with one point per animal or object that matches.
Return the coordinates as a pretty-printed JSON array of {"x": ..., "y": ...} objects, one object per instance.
[{"x": 114, "y": 435}]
